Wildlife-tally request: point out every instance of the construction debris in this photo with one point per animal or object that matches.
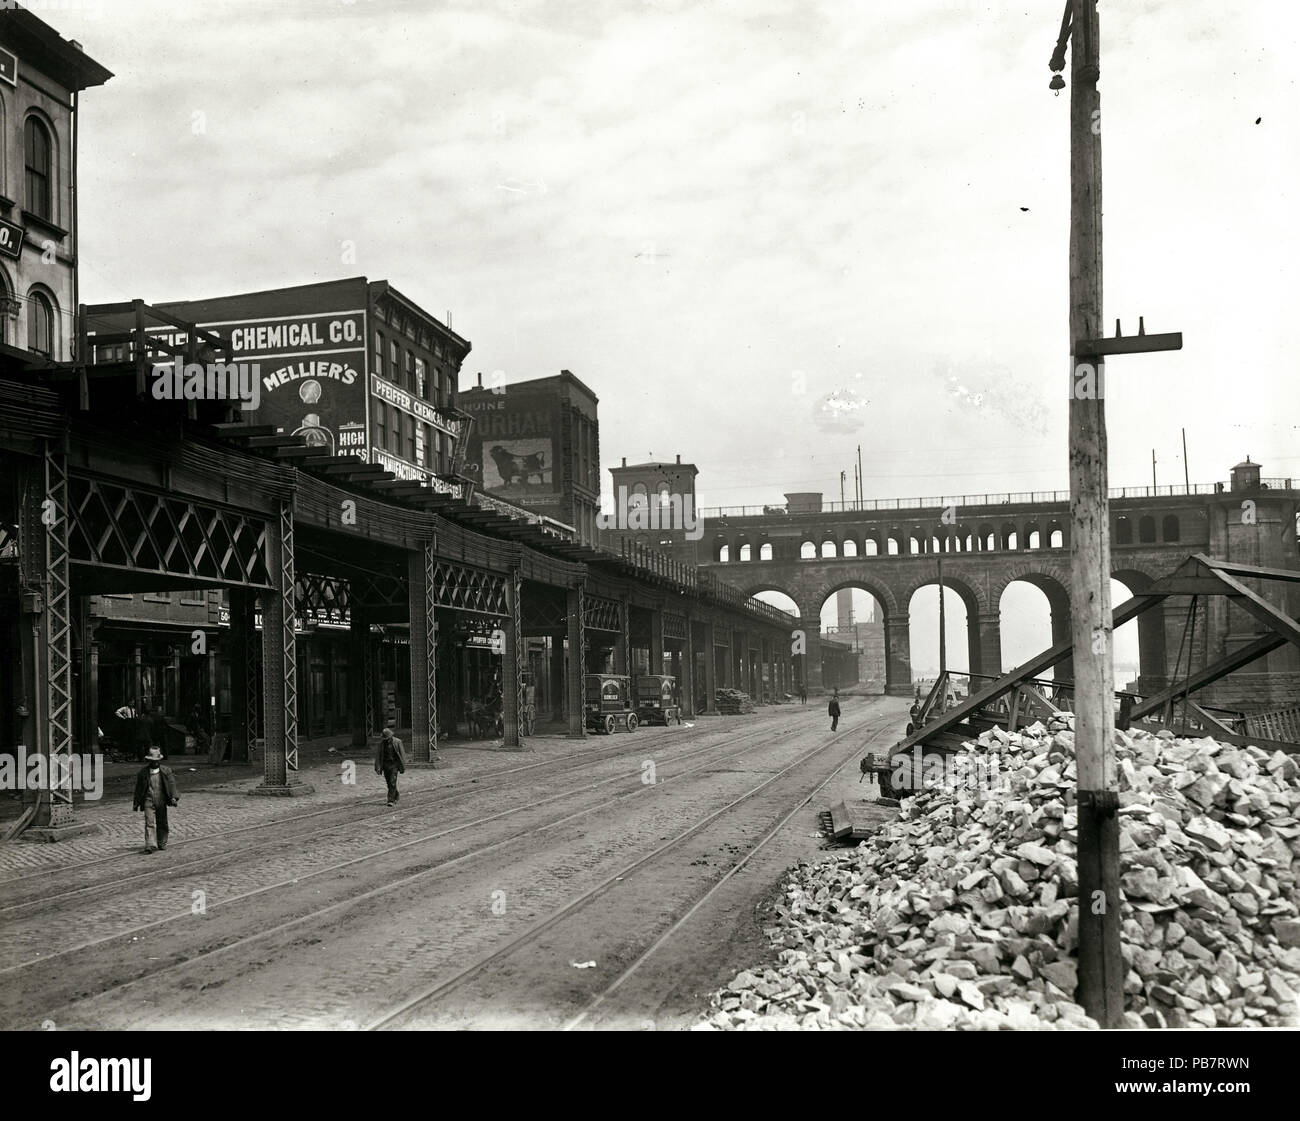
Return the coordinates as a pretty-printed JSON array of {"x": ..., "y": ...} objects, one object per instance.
[{"x": 963, "y": 913}]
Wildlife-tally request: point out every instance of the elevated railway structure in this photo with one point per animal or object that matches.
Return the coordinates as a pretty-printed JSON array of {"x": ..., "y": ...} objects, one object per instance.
[{"x": 105, "y": 491}]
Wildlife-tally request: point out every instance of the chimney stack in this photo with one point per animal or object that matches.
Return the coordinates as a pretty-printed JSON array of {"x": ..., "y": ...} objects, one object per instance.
[
  {"x": 625, "y": 461},
  {"x": 679, "y": 458},
  {"x": 480, "y": 379}
]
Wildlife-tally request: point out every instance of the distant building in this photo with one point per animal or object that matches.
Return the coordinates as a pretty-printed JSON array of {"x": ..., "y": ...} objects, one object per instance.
[
  {"x": 654, "y": 507},
  {"x": 536, "y": 444}
]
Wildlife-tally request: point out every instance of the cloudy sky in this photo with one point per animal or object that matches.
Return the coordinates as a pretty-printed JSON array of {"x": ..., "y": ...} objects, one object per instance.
[{"x": 732, "y": 220}]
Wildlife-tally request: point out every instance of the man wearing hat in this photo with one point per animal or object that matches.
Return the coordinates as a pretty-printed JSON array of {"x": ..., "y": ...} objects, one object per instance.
[
  {"x": 155, "y": 790},
  {"x": 390, "y": 761}
]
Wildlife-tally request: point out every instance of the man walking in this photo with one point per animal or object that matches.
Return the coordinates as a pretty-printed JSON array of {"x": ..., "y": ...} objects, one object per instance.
[
  {"x": 155, "y": 790},
  {"x": 834, "y": 710},
  {"x": 390, "y": 761},
  {"x": 803, "y": 693}
]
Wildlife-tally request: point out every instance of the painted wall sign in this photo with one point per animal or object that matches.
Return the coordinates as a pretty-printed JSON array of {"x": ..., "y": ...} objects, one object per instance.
[{"x": 11, "y": 239}]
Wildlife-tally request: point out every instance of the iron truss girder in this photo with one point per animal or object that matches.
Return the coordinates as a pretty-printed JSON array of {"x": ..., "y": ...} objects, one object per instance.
[
  {"x": 468, "y": 589},
  {"x": 131, "y": 527}
]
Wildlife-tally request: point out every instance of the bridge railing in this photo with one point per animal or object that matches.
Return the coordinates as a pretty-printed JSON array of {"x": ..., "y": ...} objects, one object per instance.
[{"x": 1009, "y": 498}]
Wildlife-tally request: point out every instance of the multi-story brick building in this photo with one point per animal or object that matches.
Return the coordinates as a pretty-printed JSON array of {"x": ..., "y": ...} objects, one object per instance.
[
  {"x": 41, "y": 75},
  {"x": 536, "y": 444}
]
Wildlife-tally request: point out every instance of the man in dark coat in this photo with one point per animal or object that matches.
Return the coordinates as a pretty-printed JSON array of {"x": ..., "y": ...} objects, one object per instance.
[
  {"x": 390, "y": 761},
  {"x": 155, "y": 790},
  {"x": 834, "y": 710}
]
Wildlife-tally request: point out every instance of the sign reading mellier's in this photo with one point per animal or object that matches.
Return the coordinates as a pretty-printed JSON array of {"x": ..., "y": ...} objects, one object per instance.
[{"x": 311, "y": 371}]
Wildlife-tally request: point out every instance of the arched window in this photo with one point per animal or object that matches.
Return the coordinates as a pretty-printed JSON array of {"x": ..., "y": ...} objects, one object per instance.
[
  {"x": 665, "y": 496},
  {"x": 1033, "y": 540},
  {"x": 807, "y": 551},
  {"x": 746, "y": 552},
  {"x": 765, "y": 551},
  {"x": 850, "y": 548},
  {"x": 1169, "y": 527},
  {"x": 1123, "y": 531},
  {"x": 36, "y": 145},
  {"x": 913, "y": 544},
  {"x": 724, "y": 554},
  {"x": 1147, "y": 530},
  {"x": 1058, "y": 539},
  {"x": 828, "y": 548},
  {"x": 638, "y": 496},
  {"x": 870, "y": 547},
  {"x": 40, "y": 324}
]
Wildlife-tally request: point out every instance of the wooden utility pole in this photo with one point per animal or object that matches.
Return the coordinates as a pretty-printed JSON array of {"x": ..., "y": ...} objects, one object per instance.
[
  {"x": 1187, "y": 481},
  {"x": 943, "y": 630},
  {"x": 1153, "y": 469},
  {"x": 1101, "y": 966}
]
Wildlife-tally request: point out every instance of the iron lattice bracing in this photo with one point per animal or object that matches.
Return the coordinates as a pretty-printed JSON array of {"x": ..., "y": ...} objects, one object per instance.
[
  {"x": 602, "y": 613},
  {"x": 133, "y": 528},
  {"x": 56, "y": 629},
  {"x": 467, "y": 589},
  {"x": 674, "y": 625}
]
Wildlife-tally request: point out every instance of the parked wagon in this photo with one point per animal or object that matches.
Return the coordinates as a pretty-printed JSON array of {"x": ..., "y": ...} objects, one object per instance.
[
  {"x": 608, "y": 702},
  {"x": 656, "y": 699}
]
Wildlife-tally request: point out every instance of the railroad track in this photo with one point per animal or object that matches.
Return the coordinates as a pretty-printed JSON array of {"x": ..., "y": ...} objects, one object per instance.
[
  {"x": 714, "y": 755},
  {"x": 339, "y": 817},
  {"x": 444, "y": 987}
]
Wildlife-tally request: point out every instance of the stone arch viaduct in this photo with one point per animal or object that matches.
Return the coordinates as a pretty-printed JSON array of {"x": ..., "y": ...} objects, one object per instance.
[{"x": 986, "y": 542}]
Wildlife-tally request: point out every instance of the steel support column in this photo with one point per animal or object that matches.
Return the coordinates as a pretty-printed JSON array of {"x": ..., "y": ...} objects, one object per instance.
[
  {"x": 577, "y": 661},
  {"x": 622, "y": 643},
  {"x": 710, "y": 670},
  {"x": 656, "y": 640},
  {"x": 280, "y": 664},
  {"x": 423, "y": 651},
  {"x": 512, "y": 681},
  {"x": 46, "y": 610},
  {"x": 359, "y": 706},
  {"x": 688, "y": 670}
]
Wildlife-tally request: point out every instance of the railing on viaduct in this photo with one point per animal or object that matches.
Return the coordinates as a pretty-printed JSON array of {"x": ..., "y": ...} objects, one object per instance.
[{"x": 1010, "y": 498}]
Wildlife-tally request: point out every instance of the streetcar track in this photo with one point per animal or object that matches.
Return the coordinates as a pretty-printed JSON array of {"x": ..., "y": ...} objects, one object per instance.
[
  {"x": 531, "y": 933},
  {"x": 663, "y": 939},
  {"x": 392, "y": 885},
  {"x": 356, "y": 814}
]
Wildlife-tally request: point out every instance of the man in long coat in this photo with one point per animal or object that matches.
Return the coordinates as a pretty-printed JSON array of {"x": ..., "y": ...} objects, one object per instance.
[{"x": 390, "y": 761}]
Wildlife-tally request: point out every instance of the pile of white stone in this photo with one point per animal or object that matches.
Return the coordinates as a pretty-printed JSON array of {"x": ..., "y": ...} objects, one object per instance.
[{"x": 963, "y": 913}]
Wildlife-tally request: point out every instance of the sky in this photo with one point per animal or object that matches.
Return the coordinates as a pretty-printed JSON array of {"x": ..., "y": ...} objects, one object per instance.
[{"x": 764, "y": 233}]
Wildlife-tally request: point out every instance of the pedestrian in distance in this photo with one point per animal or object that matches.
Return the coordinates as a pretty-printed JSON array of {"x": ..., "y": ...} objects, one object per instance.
[
  {"x": 390, "y": 761},
  {"x": 803, "y": 693},
  {"x": 155, "y": 791},
  {"x": 834, "y": 710}
]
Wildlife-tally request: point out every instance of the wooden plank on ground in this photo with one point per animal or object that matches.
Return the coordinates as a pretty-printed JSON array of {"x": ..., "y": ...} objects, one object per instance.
[{"x": 841, "y": 823}]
